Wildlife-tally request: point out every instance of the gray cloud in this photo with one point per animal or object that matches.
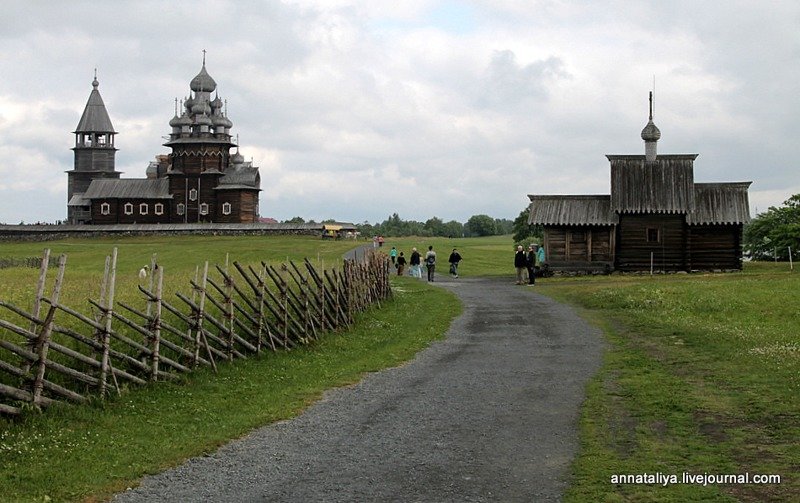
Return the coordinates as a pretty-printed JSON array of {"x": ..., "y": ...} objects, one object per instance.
[{"x": 355, "y": 110}]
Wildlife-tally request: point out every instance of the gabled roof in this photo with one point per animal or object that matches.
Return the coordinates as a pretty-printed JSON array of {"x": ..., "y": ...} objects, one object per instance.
[
  {"x": 720, "y": 203},
  {"x": 130, "y": 188},
  {"x": 665, "y": 185},
  {"x": 571, "y": 210},
  {"x": 240, "y": 177},
  {"x": 95, "y": 117}
]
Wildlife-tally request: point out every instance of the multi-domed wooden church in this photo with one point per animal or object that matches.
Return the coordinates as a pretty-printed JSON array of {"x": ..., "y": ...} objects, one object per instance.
[{"x": 199, "y": 181}]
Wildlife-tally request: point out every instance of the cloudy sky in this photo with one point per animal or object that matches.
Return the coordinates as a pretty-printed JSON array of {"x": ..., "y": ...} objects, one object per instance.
[{"x": 355, "y": 110}]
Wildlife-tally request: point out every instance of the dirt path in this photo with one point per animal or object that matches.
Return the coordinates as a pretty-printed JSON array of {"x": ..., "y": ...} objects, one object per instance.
[{"x": 488, "y": 414}]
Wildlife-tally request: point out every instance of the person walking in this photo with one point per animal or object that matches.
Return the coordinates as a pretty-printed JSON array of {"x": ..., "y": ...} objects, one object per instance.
[
  {"x": 393, "y": 254},
  {"x": 454, "y": 259},
  {"x": 520, "y": 263},
  {"x": 530, "y": 263},
  {"x": 430, "y": 262},
  {"x": 414, "y": 263},
  {"x": 401, "y": 264}
]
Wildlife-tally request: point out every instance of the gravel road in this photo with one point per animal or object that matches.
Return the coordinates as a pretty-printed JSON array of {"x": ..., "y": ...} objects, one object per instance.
[{"x": 488, "y": 414}]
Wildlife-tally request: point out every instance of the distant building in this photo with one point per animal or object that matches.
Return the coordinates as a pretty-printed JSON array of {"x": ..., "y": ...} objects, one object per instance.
[
  {"x": 199, "y": 181},
  {"x": 656, "y": 215}
]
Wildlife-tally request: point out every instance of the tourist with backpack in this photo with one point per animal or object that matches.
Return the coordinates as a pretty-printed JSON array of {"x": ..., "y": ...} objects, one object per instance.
[{"x": 430, "y": 262}]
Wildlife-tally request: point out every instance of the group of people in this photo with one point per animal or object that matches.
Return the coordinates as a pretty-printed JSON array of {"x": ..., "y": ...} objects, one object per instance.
[
  {"x": 528, "y": 262},
  {"x": 416, "y": 260}
]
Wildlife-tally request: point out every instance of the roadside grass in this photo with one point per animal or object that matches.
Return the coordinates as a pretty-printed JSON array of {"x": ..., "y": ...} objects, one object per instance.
[
  {"x": 87, "y": 453},
  {"x": 701, "y": 375},
  {"x": 484, "y": 256}
]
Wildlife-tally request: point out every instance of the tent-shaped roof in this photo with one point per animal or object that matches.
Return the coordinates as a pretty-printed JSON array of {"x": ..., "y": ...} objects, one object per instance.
[{"x": 95, "y": 116}]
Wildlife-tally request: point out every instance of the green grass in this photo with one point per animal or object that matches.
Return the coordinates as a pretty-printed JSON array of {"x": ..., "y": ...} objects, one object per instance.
[
  {"x": 701, "y": 375},
  {"x": 486, "y": 256},
  {"x": 87, "y": 453}
]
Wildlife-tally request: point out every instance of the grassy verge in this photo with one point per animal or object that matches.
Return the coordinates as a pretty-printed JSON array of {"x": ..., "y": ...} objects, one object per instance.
[
  {"x": 87, "y": 453},
  {"x": 701, "y": 376}
]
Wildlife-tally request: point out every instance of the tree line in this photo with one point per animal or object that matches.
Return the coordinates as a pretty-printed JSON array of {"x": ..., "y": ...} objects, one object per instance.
[{"x": 475, "y": 226}]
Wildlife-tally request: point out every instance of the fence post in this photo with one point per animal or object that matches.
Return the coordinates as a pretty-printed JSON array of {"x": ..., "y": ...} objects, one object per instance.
[
  {"x": 43, "y": 341},
  {"x": 37, "y": 303},
  {"x": 156, "y": 319},
  {"x": 107, "y": 314}
]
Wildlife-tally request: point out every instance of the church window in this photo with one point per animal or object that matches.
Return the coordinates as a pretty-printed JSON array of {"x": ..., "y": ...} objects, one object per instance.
[
  {"x": 226, "y": 208},
  {"x": 143, "y": 209},
  {"x": 158, "y": 208},
  {"x": 653, "y": 235},
  {"x": 128, "y": 208},
  {"x": 105, "y": 209},
  {"x": 193, "y": 195},
  {"x": 181, "y": 208},
  {"x": 204, "y": 208}
]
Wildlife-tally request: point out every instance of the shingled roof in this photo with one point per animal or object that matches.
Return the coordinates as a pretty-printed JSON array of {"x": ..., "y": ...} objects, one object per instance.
[
  {"x": 95, "y": 117},
  {"x": 720, "y": 203},
  {"x": 571, "y": 210},
  {"x": 665, "y": 185},
  {"x": 129, "y": 188}
]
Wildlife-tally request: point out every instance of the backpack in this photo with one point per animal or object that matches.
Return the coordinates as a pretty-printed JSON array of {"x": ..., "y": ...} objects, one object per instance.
[{"x": 430, "y": 260}]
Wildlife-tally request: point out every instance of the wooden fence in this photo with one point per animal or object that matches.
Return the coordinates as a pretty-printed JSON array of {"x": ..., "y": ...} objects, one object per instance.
[{"x": 230, "y": 313}]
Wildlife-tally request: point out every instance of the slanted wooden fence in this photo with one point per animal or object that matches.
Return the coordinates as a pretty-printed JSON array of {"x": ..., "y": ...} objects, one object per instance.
[{"x": 231, "y": 311}]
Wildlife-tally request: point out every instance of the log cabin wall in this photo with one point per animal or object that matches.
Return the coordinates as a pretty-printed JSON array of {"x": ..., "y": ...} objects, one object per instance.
[
  {"x": 715, "y": 247},
  {"x": 579, "y": 247},
  {"x": 665, "y": 236}
]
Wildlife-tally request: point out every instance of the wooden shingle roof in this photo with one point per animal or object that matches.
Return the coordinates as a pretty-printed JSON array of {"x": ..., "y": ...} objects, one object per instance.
[
  {"x": 665, "y": 185},
  {"x": 720, "y": 203},
  {"x": 571, "y": 210},
  {"x": 130, "y": 188}
]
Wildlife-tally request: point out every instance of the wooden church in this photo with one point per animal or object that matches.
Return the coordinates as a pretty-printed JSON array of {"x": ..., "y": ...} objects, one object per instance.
[
  {"x": 201, "y": 180},
  {"x": 656, "y": 218}
]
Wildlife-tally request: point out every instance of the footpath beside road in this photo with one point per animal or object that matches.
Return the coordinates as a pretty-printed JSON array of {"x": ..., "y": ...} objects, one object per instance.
[{"x": 488, "y": 414}]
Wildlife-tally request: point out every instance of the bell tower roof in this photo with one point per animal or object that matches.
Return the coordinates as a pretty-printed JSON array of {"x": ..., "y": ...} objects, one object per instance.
[{"x": 95, "y": 117}]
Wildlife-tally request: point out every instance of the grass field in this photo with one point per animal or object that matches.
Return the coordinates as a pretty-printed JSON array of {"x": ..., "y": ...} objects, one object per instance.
[
  {"x": 86, "y": 453},
  {"x": 701, "y": 375}
]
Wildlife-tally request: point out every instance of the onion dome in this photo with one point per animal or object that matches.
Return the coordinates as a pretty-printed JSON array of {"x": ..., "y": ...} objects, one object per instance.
[
  {"x": 217, "y": 103},
  {"x": 226, "y": 122},
  {"x": 201, "y": 107},
  {"x": 184, "y": 120},
  {"x": 237, "y": 158},
  {"x": 175, "y": 121},
  {"x": 189, "y": 103},
  {"x": 651, "y": 132},
  {"x": 203, "y": 120},
  {"x": 203, "y": 82}
]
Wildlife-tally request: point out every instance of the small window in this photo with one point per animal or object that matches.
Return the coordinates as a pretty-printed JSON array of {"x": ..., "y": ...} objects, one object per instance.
[
  {"x": 105, "y": 209},
  {"x": 181, "y": 208},
  {"x": 128, "y": 208},
  {"x": 204, "y": 208},
  {"x": 158, "y": 208},
  {"x": 143, "y": 209},
  {"x": 193, "y": 195},
  {"x": 226, "y": 208},
  {"x": 653, "y": 235}
]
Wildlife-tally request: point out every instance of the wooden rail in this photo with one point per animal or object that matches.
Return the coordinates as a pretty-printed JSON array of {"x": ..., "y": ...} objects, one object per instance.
[{"x": 236, "y": 312}]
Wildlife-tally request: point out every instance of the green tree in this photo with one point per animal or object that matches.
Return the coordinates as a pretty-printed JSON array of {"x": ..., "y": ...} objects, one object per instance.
[
  {"x": 523, "y": 232},
  {"x": 435, "y": 226},
  {"x": 453, "y": 229},
  {"x": 481, "y": 225},
  {"x": 295, "y": 220},
  {"x": 770, "y": 235}
]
